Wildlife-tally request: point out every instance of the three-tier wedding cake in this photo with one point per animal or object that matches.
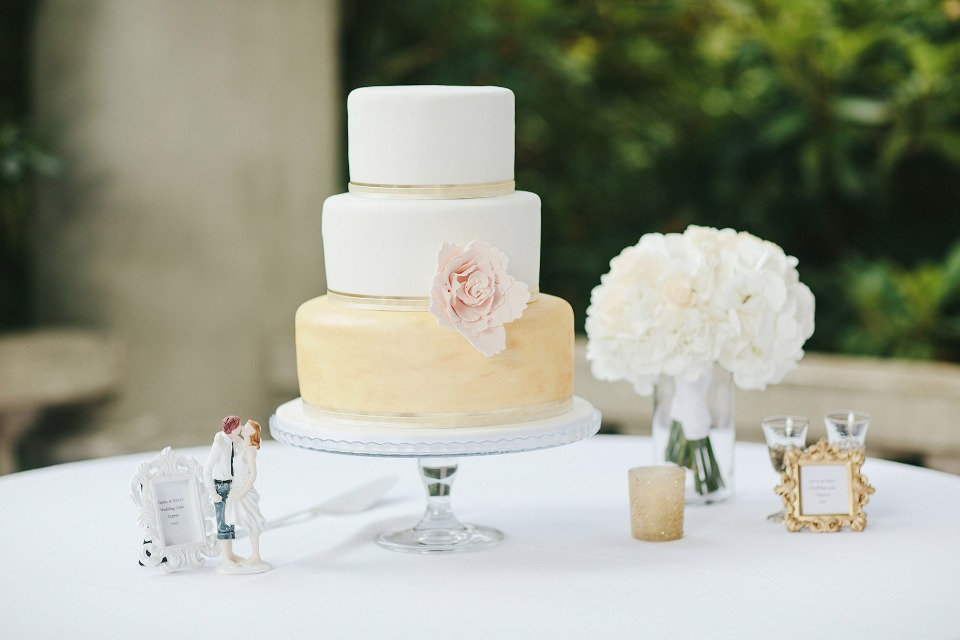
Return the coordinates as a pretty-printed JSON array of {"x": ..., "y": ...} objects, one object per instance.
[{"x": 433, "y": 316}]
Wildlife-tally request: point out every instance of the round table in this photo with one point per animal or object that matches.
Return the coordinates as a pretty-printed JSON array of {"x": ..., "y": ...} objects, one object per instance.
[{"x": 567, "y": 569}]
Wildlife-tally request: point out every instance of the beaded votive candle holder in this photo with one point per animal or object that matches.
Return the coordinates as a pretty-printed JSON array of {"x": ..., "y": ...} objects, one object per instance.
[{"x": 656, "y": 503}]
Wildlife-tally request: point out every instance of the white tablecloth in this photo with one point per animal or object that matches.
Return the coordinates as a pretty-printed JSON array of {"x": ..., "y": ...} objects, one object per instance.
[{"x": 567, "y": 569}]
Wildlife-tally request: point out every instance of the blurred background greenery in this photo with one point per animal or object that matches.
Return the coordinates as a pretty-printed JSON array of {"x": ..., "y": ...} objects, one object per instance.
[
  {"x": 22, "y": 158},
  {"x": 829, "y": 127}
]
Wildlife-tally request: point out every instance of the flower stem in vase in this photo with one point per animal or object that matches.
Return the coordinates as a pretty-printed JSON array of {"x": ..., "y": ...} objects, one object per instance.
[
  {"x": 696, "y": 455},
  {"x": 677, "y": 451},
  {"x": 706, "y": 472}
]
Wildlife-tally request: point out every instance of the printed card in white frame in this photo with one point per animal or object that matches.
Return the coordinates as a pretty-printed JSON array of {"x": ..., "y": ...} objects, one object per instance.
[
  {"x": 176, "y": 514},
  {"x": 823, "y": 490}
]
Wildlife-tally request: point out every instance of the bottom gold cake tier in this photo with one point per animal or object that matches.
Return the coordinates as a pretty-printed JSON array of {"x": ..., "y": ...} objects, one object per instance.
[{"x": 401, "y": 367}]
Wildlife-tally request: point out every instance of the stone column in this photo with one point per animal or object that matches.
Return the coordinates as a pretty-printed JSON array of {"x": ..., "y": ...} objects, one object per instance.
[{"x": 199, "y": 140}]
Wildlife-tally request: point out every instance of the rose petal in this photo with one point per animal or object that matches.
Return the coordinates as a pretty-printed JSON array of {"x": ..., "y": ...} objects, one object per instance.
[
  {"x": 438, "y": 308},
  {"x": 447, "y": 252},
  {"x": 489, "y": 342},
  {"x": 465, "y": 311},
  {"x": 516, "y": 298}
]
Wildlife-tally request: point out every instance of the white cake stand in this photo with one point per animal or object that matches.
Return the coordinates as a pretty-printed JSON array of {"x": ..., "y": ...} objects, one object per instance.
[{"x": 439, "y": 531}]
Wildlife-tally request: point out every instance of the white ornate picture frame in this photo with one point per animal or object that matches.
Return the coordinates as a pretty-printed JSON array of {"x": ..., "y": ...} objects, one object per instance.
[
  {"x": 823, "y": 489},
  {"x": 175, "y": 512}
]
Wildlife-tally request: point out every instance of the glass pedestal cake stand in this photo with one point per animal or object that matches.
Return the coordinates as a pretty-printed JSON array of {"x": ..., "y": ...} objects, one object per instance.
[{"x": 437, "y": 450}]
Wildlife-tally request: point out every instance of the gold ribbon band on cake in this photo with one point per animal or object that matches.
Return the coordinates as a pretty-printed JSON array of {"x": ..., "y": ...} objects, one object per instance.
[
  {"x": 392, "y": 303},
  {"x": 433, "y": 191},
  {"x": 441, "y": 420}
]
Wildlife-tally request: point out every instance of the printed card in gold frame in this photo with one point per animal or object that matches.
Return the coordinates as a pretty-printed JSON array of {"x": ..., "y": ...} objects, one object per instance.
[{"x": 823, "y": 490}]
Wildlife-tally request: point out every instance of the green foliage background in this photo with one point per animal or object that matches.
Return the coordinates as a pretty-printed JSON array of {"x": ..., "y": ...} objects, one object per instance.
[
  {"x": 23, "y": 156},
  {"x": 831, "y": 127}
]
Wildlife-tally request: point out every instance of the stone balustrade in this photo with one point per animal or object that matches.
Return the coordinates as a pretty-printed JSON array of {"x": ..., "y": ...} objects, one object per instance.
[{"x": 914, "y": 405}]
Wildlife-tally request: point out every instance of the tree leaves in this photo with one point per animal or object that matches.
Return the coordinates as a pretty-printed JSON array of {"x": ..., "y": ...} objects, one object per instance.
[{"x": 831, "y": 128}]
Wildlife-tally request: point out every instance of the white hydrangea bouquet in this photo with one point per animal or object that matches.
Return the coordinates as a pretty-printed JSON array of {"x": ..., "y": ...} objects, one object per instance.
[{"x": 680, "y": 304}]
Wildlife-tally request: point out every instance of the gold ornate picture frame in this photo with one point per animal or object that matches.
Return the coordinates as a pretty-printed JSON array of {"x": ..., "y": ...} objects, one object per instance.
[{"x": 823, "y": 490}]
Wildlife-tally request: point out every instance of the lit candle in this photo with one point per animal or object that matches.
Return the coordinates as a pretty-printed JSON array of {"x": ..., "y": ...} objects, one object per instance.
[{"x": 656, "y": 503}]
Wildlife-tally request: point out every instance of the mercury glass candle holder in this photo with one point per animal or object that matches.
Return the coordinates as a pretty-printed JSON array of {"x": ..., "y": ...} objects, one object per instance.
[
  {"x": 657, "y": 502},
  {"x": 847, "y": 429},
  {"x": 783, "y": 433}
]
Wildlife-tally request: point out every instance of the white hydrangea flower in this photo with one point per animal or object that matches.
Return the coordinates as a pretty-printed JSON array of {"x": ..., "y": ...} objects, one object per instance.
[{"x": 675, "y": 304}]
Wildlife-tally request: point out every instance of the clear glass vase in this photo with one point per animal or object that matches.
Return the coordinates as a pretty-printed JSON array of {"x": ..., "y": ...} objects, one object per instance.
[{"x": 694, "y": 427}]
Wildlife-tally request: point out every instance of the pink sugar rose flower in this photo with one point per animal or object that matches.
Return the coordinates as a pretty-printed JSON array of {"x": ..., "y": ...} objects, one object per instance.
[{"x": 474, "y": 295}]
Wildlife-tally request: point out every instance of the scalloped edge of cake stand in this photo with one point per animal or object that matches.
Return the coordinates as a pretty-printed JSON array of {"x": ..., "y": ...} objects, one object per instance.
[{"x": 292, "y": 425}]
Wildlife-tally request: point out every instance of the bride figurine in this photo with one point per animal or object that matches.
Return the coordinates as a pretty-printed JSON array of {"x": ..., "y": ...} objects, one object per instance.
[{"x": 243, "y": 505}]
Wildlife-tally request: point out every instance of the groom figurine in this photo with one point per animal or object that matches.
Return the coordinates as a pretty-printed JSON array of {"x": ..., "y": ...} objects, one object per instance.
[{"x": 218, "y": 475}]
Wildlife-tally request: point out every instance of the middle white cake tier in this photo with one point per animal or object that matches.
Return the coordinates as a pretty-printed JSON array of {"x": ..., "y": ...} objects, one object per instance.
[{"x": 388, "y": 248}]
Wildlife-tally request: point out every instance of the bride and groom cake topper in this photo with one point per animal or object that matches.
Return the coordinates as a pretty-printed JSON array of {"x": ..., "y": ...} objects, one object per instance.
[{"x": 229, "y": 475}]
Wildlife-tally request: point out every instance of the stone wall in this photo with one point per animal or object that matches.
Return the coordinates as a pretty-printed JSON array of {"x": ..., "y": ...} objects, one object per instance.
[
  {"x": 199, "y": 140},
  {"x": 913, "y": 405}
]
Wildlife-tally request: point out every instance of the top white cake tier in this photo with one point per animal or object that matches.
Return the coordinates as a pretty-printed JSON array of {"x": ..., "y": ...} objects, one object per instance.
[{"x": 430, "y": 135}]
